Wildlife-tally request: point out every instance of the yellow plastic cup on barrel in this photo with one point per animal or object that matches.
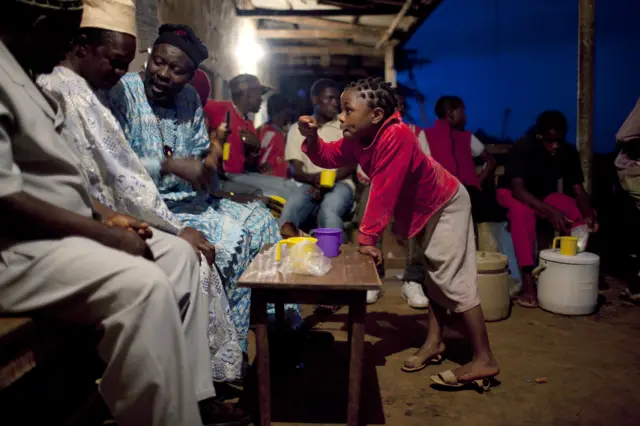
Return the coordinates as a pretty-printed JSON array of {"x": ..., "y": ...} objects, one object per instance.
[
  {"x": 327, "y": 178},
  {"x": 226, "y": 151},
  {"x": 568, "y": 245}
]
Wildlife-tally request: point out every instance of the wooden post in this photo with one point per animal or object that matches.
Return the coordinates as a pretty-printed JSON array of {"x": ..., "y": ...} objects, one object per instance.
[
  {"x": 586, "y": 60},
  {"x": 389, "y": 66}
]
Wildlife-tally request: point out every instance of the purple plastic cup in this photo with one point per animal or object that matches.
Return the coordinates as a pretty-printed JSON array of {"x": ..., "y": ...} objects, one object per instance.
[{"x": 328, "y": 240}]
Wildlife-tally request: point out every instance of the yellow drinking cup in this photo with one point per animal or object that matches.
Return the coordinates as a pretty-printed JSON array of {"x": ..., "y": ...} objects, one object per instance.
[
  {"x": 290, "y": 242},
  {"x": 226, "y": 151},
  {"x": 327, "y": 178},
  {"x": 568, "y": 245}
]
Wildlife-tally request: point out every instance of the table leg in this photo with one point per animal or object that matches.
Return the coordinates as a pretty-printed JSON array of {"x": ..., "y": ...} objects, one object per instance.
[
  {"x": 262, "y": 357},
  {"x": 357, "y": 311}
]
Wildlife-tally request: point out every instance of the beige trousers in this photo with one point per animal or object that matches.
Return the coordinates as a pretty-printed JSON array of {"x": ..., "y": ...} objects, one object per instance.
[
  {"x": 157, "y": 367},
  {"x": 446, "y": 246}
]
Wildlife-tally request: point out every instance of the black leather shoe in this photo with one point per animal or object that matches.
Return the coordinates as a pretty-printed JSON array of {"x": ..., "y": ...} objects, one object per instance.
[{"x": 216, "y": 413}]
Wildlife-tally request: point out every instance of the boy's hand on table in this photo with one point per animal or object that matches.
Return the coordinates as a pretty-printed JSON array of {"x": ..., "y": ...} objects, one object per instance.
[
  {"x": 130, "y": 223},
  {"x": 308, "y": 127},
  {"x": 372, "y": 251}
]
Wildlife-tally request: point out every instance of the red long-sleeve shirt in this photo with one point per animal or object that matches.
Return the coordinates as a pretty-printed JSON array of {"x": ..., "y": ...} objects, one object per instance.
[{"x": 405, "y": 182}]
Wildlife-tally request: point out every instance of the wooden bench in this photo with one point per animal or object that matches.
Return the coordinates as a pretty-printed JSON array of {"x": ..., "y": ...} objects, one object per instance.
[
  {"x": 47, "y": 375},
  {"x": 352, "y": 274}
]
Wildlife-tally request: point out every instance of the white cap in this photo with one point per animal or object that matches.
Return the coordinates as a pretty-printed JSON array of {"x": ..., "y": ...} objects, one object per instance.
[{"x": 113, "y": 15}]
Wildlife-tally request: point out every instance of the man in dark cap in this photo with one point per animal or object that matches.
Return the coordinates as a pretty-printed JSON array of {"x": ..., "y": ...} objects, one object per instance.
[
  {"x": 57, "y": 262},
  {"x": 242, "y": 165},
  {"x": 179, "y": 47},
  {"x": 161, "y": 116}
]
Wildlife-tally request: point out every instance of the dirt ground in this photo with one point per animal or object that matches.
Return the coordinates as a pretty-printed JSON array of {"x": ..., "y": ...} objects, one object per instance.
[{"x": 592, "y": 364}]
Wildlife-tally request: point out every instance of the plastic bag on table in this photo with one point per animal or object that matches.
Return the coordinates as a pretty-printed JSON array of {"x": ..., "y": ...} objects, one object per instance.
[
  {"x": 582, "y": 233},
  {"x": 304, "y": 258}
]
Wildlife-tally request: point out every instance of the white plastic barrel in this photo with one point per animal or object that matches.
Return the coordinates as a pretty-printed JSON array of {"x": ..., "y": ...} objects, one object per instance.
[
  {"x": 568, "y": 285},
  {"x": 493, "y": 285}
]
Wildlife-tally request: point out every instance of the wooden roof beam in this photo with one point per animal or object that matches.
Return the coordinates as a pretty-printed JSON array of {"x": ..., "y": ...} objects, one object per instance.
[
  {"x": 319, "y": 13},
  {"x": 336, "y": 49},
  {"x": 310, "y": 34},
  {"x": 322, "y": 23}
]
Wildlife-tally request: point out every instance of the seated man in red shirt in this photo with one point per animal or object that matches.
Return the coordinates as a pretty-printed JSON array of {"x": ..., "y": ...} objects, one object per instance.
[
  {"x": 272, "y": 136},
  {"x": 242, "y": 165},
  {"x": 529, "y": 189}
]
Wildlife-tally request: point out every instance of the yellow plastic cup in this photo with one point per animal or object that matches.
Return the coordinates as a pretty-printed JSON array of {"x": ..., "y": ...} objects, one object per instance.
[
  {"x": 226, "y": 151},
  {"x": 290, "y": 242},
  {"x": 327, "y": 178},
  {"x": 568, "y": 245}
]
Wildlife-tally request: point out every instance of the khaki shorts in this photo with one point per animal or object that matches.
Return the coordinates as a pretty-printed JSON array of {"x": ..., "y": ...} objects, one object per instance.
[{"x": 447, "y": 247}]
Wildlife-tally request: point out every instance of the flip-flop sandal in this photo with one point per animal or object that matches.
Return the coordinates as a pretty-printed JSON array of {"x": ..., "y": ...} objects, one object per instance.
[
  {"x": 435, "y": 360},
  {"x": 528, "y": 305},
  {"x": 449, "y": 380}
]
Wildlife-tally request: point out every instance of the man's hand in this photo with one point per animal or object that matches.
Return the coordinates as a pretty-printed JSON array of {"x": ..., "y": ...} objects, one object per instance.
[
  {"x": 221, "y": 133},
  {"x": 308, "y": 127},
  {"x": 249, "y": 138},
  {"x": 265, "y": 169},
  {"x": 592, "y": 223},
  {"x": 192, "y": 170},
  {"x": 199, "y": 243},
  {"x": 558, "y": 220},
  {"x": 130, "y": 242},
  {"x": 130, "y": 223},
  {"x": 317, "y": 194},
  {"x": 372, "y": 251}
]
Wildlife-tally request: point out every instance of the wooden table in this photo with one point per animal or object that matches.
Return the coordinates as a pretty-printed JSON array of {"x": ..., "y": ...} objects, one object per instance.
[{"x": 351, "y": 276}]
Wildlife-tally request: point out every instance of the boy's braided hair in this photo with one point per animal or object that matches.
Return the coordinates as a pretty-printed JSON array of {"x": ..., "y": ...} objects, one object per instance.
[{"x": 377, "y": 92}]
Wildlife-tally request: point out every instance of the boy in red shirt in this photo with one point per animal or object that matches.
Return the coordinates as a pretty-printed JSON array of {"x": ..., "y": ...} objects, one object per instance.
[
  {"x": 273, "y": 137},
  {"x": 429, "y": 205}
]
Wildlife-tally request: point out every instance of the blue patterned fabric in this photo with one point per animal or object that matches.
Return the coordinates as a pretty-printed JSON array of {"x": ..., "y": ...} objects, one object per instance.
[
  {"x": 237, "y": 230},
  {"x": 117, "y": 178}
]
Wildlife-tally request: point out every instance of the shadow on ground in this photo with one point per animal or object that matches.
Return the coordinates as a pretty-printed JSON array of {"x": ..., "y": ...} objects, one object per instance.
[{"x": 590, "y": 364}]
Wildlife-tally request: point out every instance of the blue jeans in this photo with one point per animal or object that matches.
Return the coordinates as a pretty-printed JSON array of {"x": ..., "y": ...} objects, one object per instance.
[{"x": 330, "y": 210}]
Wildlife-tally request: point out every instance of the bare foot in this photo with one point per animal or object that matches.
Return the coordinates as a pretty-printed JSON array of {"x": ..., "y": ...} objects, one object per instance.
[
  {"x": 426, "y": 353},
  {"x": 477, "y": 369},
  {"x": 528, "y": 300}
]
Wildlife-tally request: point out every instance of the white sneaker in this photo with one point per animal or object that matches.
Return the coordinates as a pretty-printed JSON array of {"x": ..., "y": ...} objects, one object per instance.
[
  {"x": 414, "y": 295},
  {"x": 372, "y": 296}
]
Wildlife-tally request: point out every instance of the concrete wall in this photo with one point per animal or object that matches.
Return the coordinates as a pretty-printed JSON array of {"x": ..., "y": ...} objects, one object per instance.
[{"x": 521, "y": 56}]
